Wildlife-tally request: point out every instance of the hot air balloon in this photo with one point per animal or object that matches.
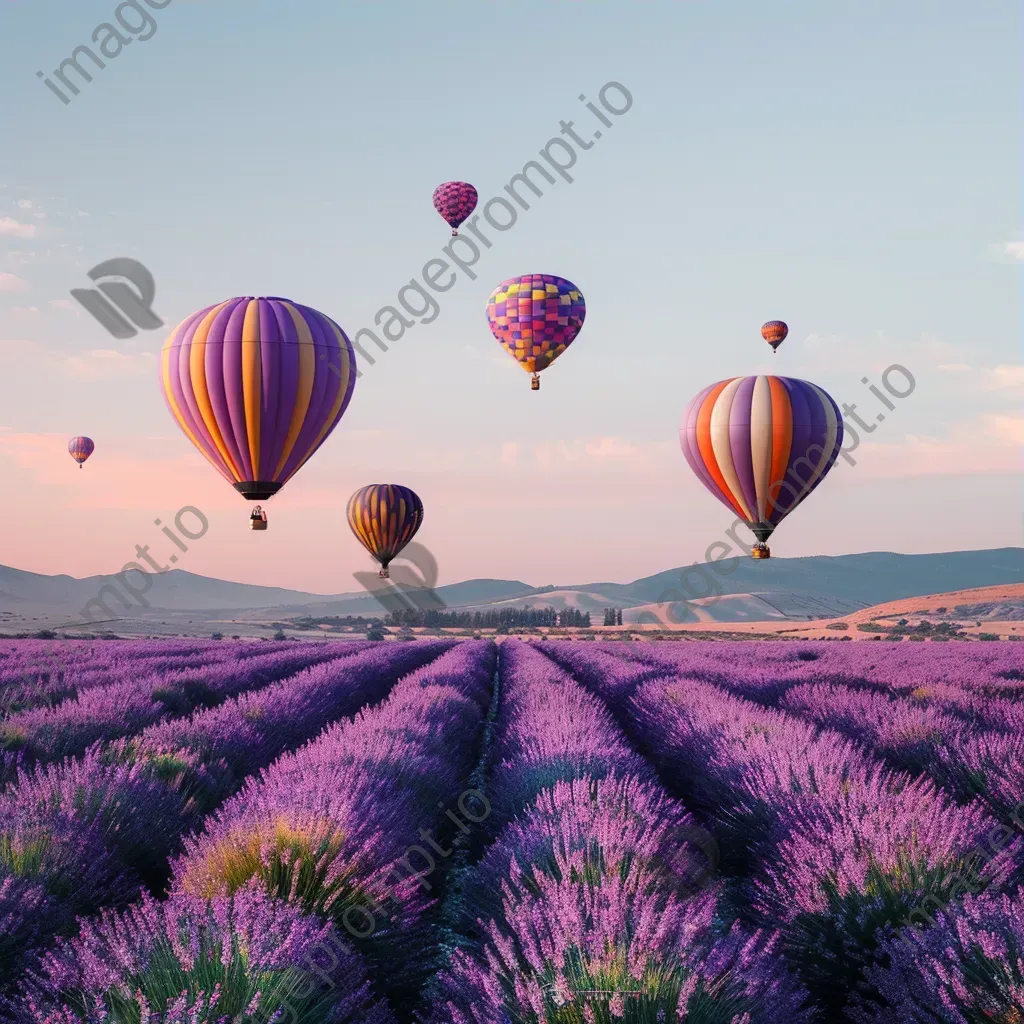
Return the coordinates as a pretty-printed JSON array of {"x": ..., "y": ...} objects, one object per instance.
[
  {"x": 384, "y": 518},
  {"x": 536, "y": 317},
  {"x": 81, "y": 448},
  {"x": 774, "y": 332},
  {"x": 455, "y": 201},
  {"x": 257, "y": 385},
  {"x": 761, "y": 445}
]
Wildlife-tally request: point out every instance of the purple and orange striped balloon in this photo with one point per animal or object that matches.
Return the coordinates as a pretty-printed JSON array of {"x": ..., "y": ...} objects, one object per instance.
[
  {"x": 257, "y": 385},
  {"x": 761, "y": 444}
]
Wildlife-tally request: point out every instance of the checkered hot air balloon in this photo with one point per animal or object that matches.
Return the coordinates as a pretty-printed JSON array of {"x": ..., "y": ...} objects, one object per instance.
[
  {"x": 80, "y": 448},
  {"x": 760, "y": 445},
  {"x": 536, "y": 318},
  {"x": 774, "y": 332},
  {"x": 455, "y": 201},
  {"x": 257, "y": 385},
  {"x": 384, "y": 518}
]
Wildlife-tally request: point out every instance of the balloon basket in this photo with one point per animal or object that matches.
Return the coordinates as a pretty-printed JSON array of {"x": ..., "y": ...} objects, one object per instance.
[
  {"x": 760, "y": 551},
  {"x": 455, "y": 232},
  {"x": 257, "y": 524},
  {"x": 384, "y": 574},
  {"x": 535, "y": 383}
]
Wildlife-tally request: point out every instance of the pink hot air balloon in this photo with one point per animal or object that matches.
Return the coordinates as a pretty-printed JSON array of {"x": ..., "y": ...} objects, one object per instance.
[
  {"x": 455, "y": 201},
  {"x": 760, "y": 445},
  {"x": 257, "y": 385}
]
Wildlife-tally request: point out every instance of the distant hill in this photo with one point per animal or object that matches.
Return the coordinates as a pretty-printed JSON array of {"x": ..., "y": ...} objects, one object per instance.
[{"x": 784, "y": 589}]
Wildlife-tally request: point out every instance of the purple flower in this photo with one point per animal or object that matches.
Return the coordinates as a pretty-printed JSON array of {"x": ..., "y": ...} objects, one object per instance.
[
  {"x": 967, "y": 968},
  {"x": 191, "y": 960}
]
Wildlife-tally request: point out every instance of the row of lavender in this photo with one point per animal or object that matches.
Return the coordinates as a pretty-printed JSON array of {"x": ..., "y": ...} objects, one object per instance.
[
  {"x": 304, "y": 863},
  {"x": 136, "y": 695},
  {"x": 38, "y": 673},
  {"x": 597, "y": 899},
  {"x": 91, "y": 832},
  {"x": 869, "y": 872},
  {"x": 942, "y": 713}
]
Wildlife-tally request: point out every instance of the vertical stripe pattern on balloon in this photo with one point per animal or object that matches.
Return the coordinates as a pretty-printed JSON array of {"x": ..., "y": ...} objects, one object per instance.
[
  {"x": 257, "y": 384},
  {"x": 761, "y": 444},
  {"x": 384, "y": 518}
]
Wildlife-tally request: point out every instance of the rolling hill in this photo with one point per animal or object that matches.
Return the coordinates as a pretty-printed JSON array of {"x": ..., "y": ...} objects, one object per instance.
[{"x": 780, "y": 589}]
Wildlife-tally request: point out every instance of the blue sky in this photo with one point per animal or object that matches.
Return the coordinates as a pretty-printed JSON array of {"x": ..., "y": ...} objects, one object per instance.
[{"x": 852, "y": 171}]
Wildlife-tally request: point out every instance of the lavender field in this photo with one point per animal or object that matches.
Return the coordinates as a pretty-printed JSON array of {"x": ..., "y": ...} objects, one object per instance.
[{"x": 447, "y": 832}]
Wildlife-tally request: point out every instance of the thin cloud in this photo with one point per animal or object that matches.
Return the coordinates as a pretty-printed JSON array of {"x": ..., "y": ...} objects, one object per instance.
[
  {"x": 990, "y": 444},
  {"x": 1014, "y": 249},
  {"x": 15, "y": 229},
  {"x": 1008, "y": 429},
  {"x": 1003, "y": 376},
  {"x": 107, "y": 364},
  {"x": 12, "y": 283}
]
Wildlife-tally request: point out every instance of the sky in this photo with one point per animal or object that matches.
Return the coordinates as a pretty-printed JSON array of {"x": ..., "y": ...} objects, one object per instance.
[{"x": 852, "y": 169}]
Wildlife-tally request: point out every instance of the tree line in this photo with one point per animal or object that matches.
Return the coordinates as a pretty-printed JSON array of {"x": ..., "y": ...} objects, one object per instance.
[{"x": 493, "y": 619}]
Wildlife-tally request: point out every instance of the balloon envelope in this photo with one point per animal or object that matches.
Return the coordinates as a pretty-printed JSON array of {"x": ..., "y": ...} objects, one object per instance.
[
  {"x": 455, "y": 201},
  {"x": 536, "y": 317},
  {"x": 775, "y": 332},
  {"x": 257, "y": 385},
  {"x": 81, "y": 448},
  {"x": 384, "y": 518},
  {"x": 761, "y": 444}
]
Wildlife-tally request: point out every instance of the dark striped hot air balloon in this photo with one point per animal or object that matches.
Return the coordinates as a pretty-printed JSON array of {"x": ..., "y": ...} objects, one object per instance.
[
  {"x": 760, "y": 445},
  {"x": 455, "y": 201},
  {"x": 257, "y": 385},
  {"x": 536, "y": 317},
  {"x": 384, "y": 518},
  {"x": 80, "y": 448},
  {"x": 774, "y": 332}
]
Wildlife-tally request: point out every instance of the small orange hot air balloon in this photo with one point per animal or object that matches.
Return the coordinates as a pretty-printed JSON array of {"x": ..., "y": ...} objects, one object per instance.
[{"x": 774, "y": 332}]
